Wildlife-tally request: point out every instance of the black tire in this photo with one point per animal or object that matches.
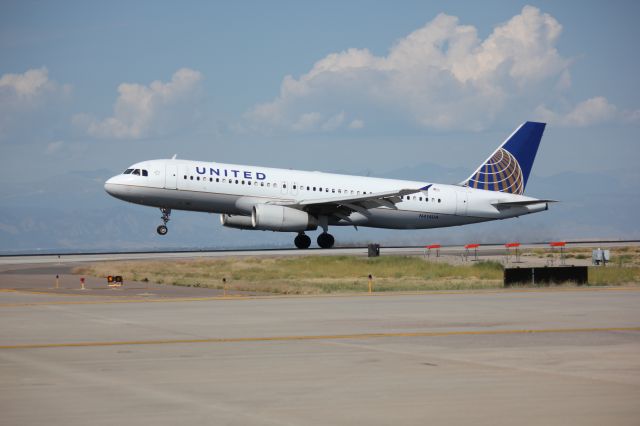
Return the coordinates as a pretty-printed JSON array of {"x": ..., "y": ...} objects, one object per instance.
[
  {"x": 302, "y": 241},
  {"x": 162, "y": 230},
  {"x": 326, "y": 240}
]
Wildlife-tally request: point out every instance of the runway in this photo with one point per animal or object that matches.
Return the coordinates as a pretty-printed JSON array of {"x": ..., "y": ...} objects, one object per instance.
[
  {"x": 452, "y": 250},
  {"x": 487, "y": 358}
]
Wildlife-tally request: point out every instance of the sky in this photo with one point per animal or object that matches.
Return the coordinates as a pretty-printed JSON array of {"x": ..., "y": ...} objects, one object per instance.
[{"x": 91, "y": 87}]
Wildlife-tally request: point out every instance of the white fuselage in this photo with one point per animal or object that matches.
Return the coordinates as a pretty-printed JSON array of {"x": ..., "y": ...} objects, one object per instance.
[{"x": 235, "y": 189}]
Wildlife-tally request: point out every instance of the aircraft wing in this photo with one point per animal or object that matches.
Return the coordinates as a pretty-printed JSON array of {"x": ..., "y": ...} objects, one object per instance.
[{"x": 342, "y": 206}]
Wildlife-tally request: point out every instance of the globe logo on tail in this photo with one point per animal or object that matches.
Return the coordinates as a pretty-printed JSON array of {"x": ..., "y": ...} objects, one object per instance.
[{"x": 500, "y": 173}]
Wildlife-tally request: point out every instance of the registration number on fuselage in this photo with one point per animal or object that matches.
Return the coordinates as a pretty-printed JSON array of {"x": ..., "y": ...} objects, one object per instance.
[{"x": 428, "y": 216}]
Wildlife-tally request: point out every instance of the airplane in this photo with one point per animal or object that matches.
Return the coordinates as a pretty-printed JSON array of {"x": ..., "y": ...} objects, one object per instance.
[{"x": 270, "y": 199}]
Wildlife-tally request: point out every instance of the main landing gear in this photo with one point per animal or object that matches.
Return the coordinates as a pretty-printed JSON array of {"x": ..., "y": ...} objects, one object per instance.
[
  {"x": 162, "y": 229},
  {"x": 302, "y": 241},
  {"x": 326, "y": 240}
]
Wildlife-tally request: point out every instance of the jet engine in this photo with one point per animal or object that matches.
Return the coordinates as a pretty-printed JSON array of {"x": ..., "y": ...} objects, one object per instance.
[
  {"x": 238, "y": 222},
  {"x": 268, "y": 217}
]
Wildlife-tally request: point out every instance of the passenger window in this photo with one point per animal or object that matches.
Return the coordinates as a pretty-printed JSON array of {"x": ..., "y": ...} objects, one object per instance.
[
  {"x": 314, "y": 188},
  {"x": 333, "y": 190},
  {"x": 268, "y": 185},
  {"x": 339, "y": 191},
  {"x": 243, "y": 182},
  {"x": 248, "y": 182},
  {"x": 185, "y": 176},
  {"x": 275, "y": 185},
  {"x": 294, "y": 187},
  {"x": 210, "y": 179},
  {"x": 128, "y": 171},
  {"x": 191, "y": 177},
  {"x": 438, "y": 199},
  {"x": 261, "y": 183},
  {"x": 307, "y": 188},
  {"x": 198, "y": 178},
  {"x": 217, "y": 179},
  {"x": 284, "y": 185}
]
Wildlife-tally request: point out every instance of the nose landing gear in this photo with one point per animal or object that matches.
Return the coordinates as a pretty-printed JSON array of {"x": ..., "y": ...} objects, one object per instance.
[{"x": 162, "y": 229}]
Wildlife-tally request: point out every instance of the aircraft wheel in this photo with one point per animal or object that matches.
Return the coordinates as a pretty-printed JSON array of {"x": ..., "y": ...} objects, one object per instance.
[
  {"x": 326, "y": 240},
  {"x": 162, "y": 230},
  {"x": 302, "y": 241}
]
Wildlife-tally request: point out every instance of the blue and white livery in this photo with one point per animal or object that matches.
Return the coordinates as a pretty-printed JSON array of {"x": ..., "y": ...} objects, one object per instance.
[{"x": 260, "y": 198}]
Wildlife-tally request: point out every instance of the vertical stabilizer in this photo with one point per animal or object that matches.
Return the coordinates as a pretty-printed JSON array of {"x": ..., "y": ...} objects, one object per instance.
[{"x": 508, "y": 168}]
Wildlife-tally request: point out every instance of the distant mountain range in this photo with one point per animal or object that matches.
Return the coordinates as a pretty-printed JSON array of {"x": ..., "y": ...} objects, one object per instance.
[{"x": 71, "y": 212}]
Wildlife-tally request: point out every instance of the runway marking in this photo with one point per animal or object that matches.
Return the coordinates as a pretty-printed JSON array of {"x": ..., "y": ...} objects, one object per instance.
[
  {"x": 358, "y": 336},
  {"x": 168, "y": 299}
]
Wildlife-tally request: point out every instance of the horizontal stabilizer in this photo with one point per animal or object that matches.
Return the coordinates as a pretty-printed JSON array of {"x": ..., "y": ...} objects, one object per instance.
[{"x": 499, "y": 204}]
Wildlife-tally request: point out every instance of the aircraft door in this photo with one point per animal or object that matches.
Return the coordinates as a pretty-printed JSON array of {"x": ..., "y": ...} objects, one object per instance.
[
  {"x": 171, "y": 176},
  {"x": 462, "y": 201}
]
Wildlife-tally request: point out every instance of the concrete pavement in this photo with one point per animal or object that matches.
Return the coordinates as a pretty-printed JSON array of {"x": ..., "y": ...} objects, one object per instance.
[{"x": 540, "y": 357}]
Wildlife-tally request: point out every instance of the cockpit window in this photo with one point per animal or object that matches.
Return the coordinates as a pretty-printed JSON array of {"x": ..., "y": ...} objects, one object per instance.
[
  {"x": 128, "y": 171},
  {"x": 136, "y": 172},
  {"x": 145, "y": 173}
]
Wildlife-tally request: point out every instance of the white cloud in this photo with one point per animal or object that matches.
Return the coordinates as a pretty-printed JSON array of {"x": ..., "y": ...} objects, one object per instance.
[
  {"x": 28, "y": 85},
  {"x": 439, "y": 76},
  {"x": 28, "y": 97},
  {"x": 596, "y": 110},
  {"x": 142, "y": 111},
  {"x": 54, "y": 147},
  {"x": 356, "y": 124}
]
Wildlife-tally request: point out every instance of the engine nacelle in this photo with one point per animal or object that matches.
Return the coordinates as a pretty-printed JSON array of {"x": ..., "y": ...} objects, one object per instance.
[
  {"x": 268, "y": 217},
  {"x": 238, "y": 222}
]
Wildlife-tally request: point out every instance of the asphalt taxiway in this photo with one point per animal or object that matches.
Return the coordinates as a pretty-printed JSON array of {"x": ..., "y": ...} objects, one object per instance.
[{"x": 487, "y": 358}]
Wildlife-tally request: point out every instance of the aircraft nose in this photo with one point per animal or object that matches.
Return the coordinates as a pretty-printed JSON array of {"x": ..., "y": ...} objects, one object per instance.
[{"x": 110, "y": 186}]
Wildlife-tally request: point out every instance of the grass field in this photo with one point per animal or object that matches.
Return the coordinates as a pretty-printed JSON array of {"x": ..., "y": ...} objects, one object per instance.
[
  {"x": 308, "y": 275},
  {"x": 329, "y": 274}
]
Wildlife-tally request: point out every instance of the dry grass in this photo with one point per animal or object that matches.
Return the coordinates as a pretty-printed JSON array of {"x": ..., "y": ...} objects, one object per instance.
[
  {"x": 620, "y": 256},
  {"x": 346, "y": 274},
  {"x": 308, "y": 275},
  {"x": 614, "y": 275}
]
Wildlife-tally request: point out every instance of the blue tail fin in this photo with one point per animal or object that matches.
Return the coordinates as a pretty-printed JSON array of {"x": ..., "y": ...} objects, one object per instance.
[{"x": 508, "y": 168}]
